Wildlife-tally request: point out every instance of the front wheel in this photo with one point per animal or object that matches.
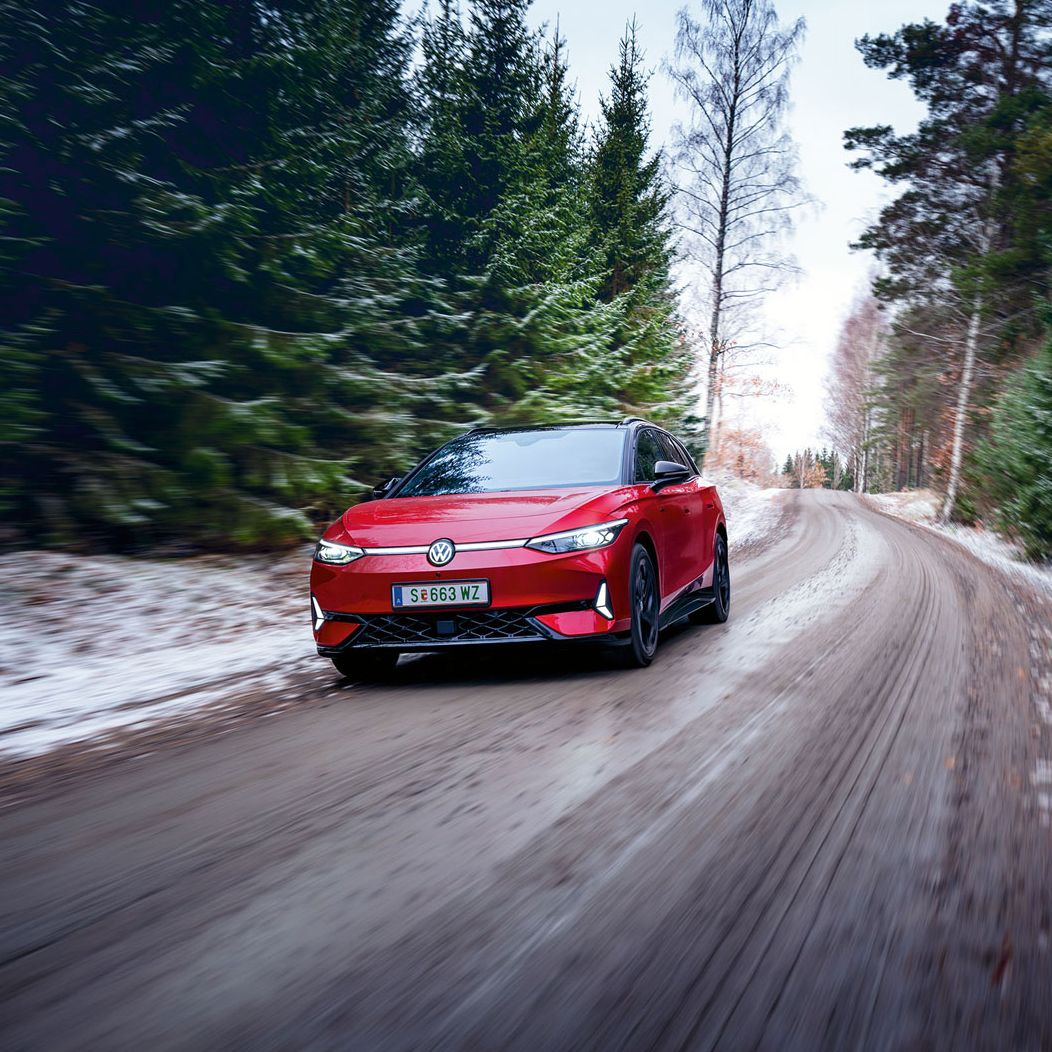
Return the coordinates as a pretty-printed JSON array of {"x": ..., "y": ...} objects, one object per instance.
[
  {"x": 365, "y": 664},
  {"x": 720, "y": 608},
  {"x": 646, "y": 610}
]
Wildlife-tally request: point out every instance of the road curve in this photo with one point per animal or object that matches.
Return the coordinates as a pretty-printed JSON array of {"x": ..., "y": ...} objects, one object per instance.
[{"x": 822, "y": 825}]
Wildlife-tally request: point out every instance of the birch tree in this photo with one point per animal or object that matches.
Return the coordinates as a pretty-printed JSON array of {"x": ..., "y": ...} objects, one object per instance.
[
  {"x": 736, "y": 173},
  {"x": 849, "y": 401}
]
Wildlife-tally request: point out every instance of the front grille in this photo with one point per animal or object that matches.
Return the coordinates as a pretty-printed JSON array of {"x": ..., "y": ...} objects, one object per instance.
[{"x": 455, "y": 627}]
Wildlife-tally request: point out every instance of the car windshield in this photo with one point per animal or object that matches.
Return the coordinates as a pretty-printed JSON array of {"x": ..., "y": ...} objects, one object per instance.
[{"x": 535, "y": 459}]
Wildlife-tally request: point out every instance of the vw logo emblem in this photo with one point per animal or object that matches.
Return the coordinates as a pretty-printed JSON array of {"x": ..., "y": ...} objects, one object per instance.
[{"x": 441, "y": 552}]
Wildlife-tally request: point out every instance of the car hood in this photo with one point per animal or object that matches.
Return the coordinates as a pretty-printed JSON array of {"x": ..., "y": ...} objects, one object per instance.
[{"x": 471, "y": 517}]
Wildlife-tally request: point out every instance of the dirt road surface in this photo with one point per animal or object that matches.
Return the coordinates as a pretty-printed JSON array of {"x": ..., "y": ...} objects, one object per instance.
[{"x": 824, "y": 825}]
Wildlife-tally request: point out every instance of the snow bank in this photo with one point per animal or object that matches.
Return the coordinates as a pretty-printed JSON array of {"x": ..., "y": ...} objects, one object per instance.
[
  {"x": 996, "y": 551},
  {"x": 922, "y": 507},
  {"x": 90, "y": 645},
  {"x": 916, "y": 505},
  {"x": 752, "y": 511}
]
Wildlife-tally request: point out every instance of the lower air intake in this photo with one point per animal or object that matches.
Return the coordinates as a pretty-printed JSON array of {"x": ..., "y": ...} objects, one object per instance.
[{"x": 468, "y": 627}]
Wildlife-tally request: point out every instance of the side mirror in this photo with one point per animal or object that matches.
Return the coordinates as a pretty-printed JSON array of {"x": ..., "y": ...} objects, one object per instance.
[
  {"x": 383, "y": 489},
  {"x": 668, "y": 472}
]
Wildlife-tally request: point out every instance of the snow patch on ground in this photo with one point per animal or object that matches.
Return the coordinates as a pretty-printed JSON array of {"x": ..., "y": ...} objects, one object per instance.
[
  {"x": 922, "y": 507},
  {"x": 752, "y": 511},
  {"x": 916, "y": 505},
  {"x": 994, "y": 550},
  {"x": 92, "y": 645}
]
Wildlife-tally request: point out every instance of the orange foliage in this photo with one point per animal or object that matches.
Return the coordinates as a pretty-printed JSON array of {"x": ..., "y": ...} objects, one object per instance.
[{"x": 742, "y": 451}]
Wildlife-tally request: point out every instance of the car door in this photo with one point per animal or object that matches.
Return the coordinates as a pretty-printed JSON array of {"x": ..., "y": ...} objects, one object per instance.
[
  {"x": 648, "y": 451},
  {"x": 681, "y": 515},
  {"x": 701, "y": 504}
]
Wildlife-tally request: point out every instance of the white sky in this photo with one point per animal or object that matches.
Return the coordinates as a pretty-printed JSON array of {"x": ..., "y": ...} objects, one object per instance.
[{"x": 831, "y": 90}]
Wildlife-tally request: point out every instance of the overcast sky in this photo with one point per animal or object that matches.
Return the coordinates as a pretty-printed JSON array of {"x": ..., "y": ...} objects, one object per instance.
[{"x": 831, "y": 90}]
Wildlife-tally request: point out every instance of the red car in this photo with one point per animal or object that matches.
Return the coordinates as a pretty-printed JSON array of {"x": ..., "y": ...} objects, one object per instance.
[{"x": 592, "y": 531}]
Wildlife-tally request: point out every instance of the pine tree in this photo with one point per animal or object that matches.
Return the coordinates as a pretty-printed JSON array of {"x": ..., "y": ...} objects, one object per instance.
[
  {"x": 479, "y": 89},
  {"x": 197, "y": 264},
  {"x": 628, "y": 200},
  {"x": 952, "y": 240},
  {"x": 507, "y": 218},
  {"x": 441, "y": 87}
]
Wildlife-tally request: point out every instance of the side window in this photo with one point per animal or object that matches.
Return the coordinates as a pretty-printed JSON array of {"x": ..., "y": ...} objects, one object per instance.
[
  {"x": 648, "y": 453},
  {"x": 670, "y": 449},
  {"x": 682, "y": 456}
]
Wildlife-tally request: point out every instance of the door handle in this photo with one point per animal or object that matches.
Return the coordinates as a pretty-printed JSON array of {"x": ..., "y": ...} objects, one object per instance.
[{"x": 710, "y": 505}]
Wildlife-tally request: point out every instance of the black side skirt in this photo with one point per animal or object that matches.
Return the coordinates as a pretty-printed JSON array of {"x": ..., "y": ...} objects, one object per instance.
[{"x": 687, "y": 604}]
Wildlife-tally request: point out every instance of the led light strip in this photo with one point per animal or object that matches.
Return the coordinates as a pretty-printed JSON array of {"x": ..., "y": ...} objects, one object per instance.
[{"x": 471, "y": 546}]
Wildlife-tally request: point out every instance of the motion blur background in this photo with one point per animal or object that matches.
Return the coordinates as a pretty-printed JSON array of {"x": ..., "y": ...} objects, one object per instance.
[{"x": 256, "y": 257}]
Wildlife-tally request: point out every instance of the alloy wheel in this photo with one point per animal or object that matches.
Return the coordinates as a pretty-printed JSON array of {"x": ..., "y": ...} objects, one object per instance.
[{"x": 645, "y": 598}]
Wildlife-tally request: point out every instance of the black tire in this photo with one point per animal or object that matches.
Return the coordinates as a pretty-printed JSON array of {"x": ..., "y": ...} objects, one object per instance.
[
  {"x": 365, "y": 664},
  {"x": 645, "y": 595},
  {"x": 720, "y": 608}
]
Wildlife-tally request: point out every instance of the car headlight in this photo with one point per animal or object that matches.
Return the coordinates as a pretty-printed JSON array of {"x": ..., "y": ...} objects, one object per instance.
[
  {"x": 337, "y": 554},
  {"x": 584, "y": 539}
]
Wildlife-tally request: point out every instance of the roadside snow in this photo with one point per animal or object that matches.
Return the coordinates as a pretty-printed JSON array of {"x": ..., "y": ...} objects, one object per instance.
[
  {"x": 90, "y": 645},
  {"x": 922, "y": 507},
  {"x": 994, "y": 550},
  {"x": 916, "y": 505},
  {"x": 752, "y": 511}
]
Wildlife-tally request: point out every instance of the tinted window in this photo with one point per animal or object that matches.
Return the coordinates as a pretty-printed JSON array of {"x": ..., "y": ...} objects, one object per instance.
[
  {"x": 536, "y": 459},
  {"x": 648, "y": 453},
  {"x": 670, "y": 451},
  {"x": 676, "y": 452},
  {"x": 687, "y": 458}
]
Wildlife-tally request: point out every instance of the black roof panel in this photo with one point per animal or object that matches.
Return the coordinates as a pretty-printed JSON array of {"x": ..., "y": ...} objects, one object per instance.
[{"x": 556, "y": 427}]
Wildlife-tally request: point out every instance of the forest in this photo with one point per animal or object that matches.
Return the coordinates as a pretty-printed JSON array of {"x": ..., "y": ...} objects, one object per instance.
[
  {"x": 256, "y": 258},
  {"x": 259, "y": 257},
  {"x": 942, "y": 376}
]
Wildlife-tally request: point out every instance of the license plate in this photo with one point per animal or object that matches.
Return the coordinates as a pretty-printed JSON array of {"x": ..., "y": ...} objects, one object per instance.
[{"x": 446, "y": 593}]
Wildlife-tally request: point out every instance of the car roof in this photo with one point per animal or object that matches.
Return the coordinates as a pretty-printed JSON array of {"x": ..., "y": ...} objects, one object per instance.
[{"x": 629, "y": 421}]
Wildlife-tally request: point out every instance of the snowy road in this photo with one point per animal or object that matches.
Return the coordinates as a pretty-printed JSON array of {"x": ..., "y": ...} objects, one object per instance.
[{"x": 823, "y": 825}]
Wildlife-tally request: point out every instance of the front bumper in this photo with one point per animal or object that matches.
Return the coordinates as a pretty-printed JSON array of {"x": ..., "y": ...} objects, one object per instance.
[{"x": 534, "y": 597}]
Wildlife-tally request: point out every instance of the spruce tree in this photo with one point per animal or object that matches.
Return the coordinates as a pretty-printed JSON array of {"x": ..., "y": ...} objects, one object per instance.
[
  {"x": 1017, "y": 456},
  {"x": 628, "y": 199},
  {"x": 441, "y": 87},
  {"x": 198, "y": 264},
  {"x": 631, "y": 230}
]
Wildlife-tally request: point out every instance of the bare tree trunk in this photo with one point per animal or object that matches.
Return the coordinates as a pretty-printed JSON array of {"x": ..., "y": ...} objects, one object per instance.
[
  {"x": 964, "y": 394},
  {"x": 716, "y": 419},
  {"x": 717, "y": 267},
  {"x": 739, "y": 186},
  {"x": 864, "y": 480},
  {"x": 971, "y": 347},
  {"x": 910, "y": 422}
]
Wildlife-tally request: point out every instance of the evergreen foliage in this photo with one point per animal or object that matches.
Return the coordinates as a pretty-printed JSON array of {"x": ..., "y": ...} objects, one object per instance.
[
  {"x": 965, "y": 243},
  {"x": 813, "y": 469},
  {"x": 251, "y": 262},
  {"x": 629, "y": 205},
  {"x": 198, "y": 195},
  {"x": 1017, "y": 456}
]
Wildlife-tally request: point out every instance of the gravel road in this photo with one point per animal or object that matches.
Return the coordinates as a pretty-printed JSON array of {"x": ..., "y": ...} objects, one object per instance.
[{"x": 824, "y": 825}]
